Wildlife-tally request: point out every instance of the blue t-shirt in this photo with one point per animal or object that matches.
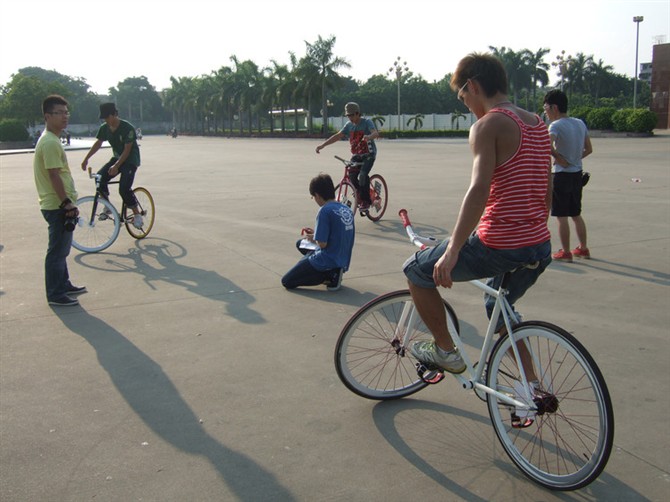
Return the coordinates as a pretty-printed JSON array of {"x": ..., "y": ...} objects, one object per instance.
[
  {"x": 335, "y": 227},
  {"x": 355, "y": 133}
]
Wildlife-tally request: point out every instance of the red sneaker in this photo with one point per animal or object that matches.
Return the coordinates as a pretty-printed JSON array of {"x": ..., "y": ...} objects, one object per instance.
[
  {"x": 562, "y": 255},
  {"x": 581, "y": 252}
]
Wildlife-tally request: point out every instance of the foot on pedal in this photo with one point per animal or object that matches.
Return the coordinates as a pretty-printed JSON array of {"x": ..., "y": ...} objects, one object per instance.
[{"x": 429, "y": 374}]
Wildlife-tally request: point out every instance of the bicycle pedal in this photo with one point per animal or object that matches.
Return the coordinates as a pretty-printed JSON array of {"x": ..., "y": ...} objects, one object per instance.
[{"x": 429, "y": 374}]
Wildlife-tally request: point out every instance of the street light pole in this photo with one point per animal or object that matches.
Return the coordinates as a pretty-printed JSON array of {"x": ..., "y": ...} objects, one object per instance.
[
  {"x": 637, "y": 20},
  {"x": 399, "y": 68}
]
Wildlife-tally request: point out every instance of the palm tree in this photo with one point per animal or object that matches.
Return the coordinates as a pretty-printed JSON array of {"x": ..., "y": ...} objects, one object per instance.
[
  {"x": 378, "y": 120},
  {"x": 518, "y": 73},
  {"x": 281, "y": 75},
  {"x": 538, "y": 69},
  {"x": 598, "y": 72},
  {"x": 320, "y": 56},
  {"x": 578, "y": 72},
  {"x": 456, "y": 115},
  {"x": 418, "y": 121}
]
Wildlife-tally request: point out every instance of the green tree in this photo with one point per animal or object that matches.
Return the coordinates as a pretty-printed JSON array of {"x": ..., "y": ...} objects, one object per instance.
[
  {"x": 325, "y": 74},
  {"x": 538, "y": 70},
  {"x": 418, "y": 121},
  {"x": 137, "y": 100}
]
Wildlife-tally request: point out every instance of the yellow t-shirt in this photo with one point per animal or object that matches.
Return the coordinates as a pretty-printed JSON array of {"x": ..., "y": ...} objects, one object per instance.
[{"x": 49, "y": 154}]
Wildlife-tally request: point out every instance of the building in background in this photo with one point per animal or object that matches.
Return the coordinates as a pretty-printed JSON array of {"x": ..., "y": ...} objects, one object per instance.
[{"x": 660, "y": 84}]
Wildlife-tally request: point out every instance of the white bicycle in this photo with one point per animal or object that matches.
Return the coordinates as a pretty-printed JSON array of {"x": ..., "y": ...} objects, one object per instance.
[{"x": 547, "y": 399}]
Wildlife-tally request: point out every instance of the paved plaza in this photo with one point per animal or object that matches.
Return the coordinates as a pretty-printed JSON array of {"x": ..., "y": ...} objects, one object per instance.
[{"x": 189, "y": 373}]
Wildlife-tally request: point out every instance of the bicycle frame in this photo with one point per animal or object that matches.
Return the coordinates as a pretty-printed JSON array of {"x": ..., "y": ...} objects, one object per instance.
[
  {"x": 349, "y": 167},
  {"x": 97, "y": 195},
  {"x": 501, "y": 307}
]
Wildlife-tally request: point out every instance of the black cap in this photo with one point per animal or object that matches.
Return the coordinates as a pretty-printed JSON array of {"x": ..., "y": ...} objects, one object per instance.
[{"x": 107, "y": 109}]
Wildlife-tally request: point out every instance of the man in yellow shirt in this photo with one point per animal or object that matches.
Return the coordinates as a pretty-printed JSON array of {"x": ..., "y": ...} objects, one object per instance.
[{"x": 57, "y": 198}]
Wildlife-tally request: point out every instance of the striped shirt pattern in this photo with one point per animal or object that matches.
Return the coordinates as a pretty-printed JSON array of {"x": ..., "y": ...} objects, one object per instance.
[{"x": 516, "y": 211}]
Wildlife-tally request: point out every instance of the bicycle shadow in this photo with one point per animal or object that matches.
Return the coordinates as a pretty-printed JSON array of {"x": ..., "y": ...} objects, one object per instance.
[
  {"x": 453, "y": 447},
  {"x": 156, "y": 401},
  {"x": 156, "y": 261}
]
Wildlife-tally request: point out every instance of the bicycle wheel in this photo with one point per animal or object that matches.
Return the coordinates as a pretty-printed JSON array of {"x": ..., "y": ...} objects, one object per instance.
[
  {"x": 146, "y": 206},
  {"x": 568, "y": 444},
  {"x": 378, "y": 196},
  {"x": 347, "y": 196},
  {"x": 371, "y": 357},
  {"x": 98, "y": 225}
]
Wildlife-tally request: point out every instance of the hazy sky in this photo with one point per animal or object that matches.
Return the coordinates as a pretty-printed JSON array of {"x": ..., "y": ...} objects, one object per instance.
[{"x": 106, "y": 42}]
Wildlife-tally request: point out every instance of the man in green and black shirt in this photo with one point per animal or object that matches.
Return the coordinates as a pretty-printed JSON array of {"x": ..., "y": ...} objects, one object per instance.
[{"x": 125, "y": 160}]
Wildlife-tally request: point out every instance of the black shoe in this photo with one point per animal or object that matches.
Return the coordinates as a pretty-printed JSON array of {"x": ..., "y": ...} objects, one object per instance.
[
  {"x": 76, "y": 290},
  {"x": 336, "y": 281},
  {"x": 64, "y": 301}
]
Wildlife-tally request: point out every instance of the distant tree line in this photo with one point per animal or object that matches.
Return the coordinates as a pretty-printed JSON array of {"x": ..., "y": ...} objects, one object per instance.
[{"x": 239, "y": 98}]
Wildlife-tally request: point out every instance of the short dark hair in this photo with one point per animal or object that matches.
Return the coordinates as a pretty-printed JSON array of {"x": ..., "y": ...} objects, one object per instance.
[
  {"x": 558, "y": 98},
  {"x": 323, "y": 186},
  {"x": 486, "y": 69},
  {"x": 51, "y": 101}
]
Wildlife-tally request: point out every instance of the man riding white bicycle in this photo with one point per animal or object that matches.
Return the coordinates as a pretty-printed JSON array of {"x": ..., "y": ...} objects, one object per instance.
[
  {"x": 361, "y": 132},
  {"x": 502, "y": 223}
]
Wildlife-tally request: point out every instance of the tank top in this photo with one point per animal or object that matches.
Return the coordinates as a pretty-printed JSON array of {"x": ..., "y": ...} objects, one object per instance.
[{"x": 516, "y": 212}]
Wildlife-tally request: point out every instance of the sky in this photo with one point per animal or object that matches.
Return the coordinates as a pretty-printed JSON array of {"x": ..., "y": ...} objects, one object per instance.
[{"x": 106, "y": 42}]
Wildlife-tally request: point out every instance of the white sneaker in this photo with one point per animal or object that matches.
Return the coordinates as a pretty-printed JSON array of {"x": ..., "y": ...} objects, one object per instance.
[{"x": 137, "y": 221}]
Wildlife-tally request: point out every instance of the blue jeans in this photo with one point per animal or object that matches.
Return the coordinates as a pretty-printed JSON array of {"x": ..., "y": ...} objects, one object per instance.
[
  {"x": 127, "y": 172},
  {"x": 56, "y": 276},
  {"x": 477, "y": 261},
  {"x": 304, "y": 274}
]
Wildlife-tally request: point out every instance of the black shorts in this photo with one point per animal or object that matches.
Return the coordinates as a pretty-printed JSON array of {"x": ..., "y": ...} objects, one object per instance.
[{"x": 567, "y": 196}]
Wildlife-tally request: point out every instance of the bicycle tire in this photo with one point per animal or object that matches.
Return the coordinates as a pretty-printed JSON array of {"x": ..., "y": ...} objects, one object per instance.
[
  {"x": 378, "y": 196},
  {"x": 347, "y": 196},
  {"x": 369, "y": 361},
  {"x": 147, "y": 210},
  {"x": 98, "y": 225},
  {"x": 569, "y": 443}
]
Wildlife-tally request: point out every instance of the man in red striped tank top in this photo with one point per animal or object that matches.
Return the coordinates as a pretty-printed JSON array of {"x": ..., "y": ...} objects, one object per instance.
[{"x": 502, "y": 222}]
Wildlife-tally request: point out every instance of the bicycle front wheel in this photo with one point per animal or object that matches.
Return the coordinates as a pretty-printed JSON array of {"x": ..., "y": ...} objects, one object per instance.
[
  {"x": 145, "y": 203},
  {"x": 568, "y": 444},
  {"x": 346, "y": 194},
  {"x": 378, "y": 196},
  {"x": 372, "y": 355},
  {"x": 98, "y": 225}
]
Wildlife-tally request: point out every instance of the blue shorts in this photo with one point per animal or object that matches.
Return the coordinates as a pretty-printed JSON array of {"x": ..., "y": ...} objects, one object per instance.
[{"x": 477, "y": 261}]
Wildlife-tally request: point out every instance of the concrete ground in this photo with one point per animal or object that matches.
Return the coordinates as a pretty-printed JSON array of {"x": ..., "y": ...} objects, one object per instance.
[{"x": 189, "y": 373}]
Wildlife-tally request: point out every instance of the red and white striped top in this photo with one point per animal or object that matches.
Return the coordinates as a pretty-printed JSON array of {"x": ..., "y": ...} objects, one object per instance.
[{"x": 516, "y": 210}]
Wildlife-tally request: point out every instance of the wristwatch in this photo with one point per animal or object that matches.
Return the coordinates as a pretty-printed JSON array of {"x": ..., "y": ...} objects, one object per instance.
[{"x": 65, "y": 203}]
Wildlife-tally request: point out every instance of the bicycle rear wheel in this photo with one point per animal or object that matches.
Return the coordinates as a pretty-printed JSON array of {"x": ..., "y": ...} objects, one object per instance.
[
  {"x": 146, "y": 206},
  {"x": 569, "y": 443},
  {"x": 347, "y": 195},
  {"x": 98, "y": 225},
  {"x": 371, "y": 357},
  {"x": 378, "y": 196}
]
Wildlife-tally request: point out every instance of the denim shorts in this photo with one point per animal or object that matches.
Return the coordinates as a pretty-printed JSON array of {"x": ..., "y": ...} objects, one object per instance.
[{"x": 477, "y": 261}]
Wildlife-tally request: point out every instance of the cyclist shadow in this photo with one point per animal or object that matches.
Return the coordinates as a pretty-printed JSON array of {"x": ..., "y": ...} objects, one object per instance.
[
  {"x": 453, "y": 447},
  {"x": 393, "y": 229},
  {"x": 156, "y": 260},
  {"x": 158, "y": 403}
]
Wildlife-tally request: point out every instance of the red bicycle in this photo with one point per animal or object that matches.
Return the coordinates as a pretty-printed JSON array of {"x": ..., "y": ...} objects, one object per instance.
[{"x": 347, "y": 193}]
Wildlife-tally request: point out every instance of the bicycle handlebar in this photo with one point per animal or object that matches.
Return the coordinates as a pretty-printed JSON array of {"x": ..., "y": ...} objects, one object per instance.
[
  {"x": 348, "y": 163},
  {"x": 416, "y": 239}
]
